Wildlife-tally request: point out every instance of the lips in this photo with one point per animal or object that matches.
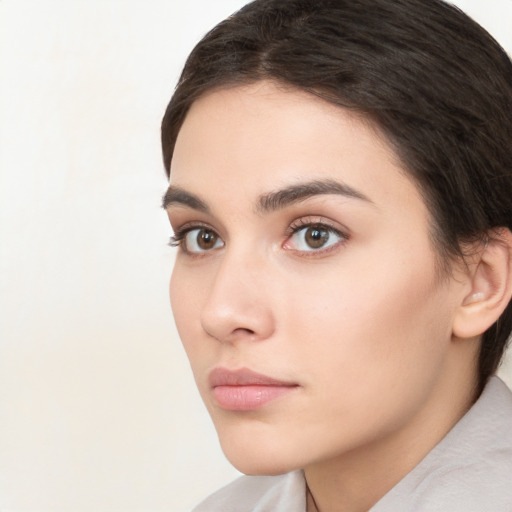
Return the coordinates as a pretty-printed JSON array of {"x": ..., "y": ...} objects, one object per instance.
[{"x": 245, "y": 390}]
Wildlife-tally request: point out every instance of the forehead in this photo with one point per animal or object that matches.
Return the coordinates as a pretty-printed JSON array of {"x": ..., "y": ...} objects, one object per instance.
[{"x": 252, "y": 139}]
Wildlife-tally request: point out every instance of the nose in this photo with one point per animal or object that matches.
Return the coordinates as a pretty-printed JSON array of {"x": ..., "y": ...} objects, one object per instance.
[{"x": 239, "y": 302}]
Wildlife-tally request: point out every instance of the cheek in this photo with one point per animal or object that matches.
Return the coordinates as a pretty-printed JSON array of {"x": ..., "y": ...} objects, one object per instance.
[
  {"x": 374, "y": 322},
  {"x": 184, "y": 295},
  {"x": 370, "y": 355},
  {"x": 189, "y": 290},
  {"x": 178, "y": 295}
]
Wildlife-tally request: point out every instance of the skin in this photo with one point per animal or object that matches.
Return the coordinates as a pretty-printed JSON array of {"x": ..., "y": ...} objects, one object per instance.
[{"x": 361, "y": 325}]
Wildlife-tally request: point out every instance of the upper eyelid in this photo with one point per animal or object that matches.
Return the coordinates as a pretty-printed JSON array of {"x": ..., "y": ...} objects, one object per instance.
[
  {"x": 316, "y": 220},
  {"x": 185, "y": 227},
  {"x": 181, "y": 216}
]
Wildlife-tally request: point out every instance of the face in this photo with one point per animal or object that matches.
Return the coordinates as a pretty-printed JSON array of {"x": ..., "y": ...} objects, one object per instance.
[{"x": 305, "y": 288}]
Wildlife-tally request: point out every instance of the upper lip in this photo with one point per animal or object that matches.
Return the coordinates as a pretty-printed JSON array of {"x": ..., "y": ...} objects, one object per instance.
[{"x": 243, "y": 377}]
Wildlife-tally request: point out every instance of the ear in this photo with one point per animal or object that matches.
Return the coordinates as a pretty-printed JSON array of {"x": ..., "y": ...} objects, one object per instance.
[{"x": 490, "y": 284}]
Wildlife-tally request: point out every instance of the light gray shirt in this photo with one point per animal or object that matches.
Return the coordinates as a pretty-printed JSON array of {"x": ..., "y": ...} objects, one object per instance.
[{"x": 470, "y": 470}]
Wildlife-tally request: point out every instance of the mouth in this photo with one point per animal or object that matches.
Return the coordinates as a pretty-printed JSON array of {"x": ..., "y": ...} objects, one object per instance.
[{"x": 245, "y": 390}]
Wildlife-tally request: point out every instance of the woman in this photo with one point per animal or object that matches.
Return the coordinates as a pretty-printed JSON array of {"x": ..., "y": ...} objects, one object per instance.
[{"x": 340, "y": 183}]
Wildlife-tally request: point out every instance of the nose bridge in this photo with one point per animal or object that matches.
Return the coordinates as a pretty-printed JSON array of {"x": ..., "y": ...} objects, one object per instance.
[{"x": 239, "y": 302}]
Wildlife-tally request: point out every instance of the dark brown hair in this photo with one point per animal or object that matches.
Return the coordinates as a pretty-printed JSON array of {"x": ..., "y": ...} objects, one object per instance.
[{"x": 436, "y": 83}]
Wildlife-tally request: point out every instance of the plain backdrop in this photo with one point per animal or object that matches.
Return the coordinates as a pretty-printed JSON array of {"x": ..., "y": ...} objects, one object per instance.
[{"x": 98, "y": 409}]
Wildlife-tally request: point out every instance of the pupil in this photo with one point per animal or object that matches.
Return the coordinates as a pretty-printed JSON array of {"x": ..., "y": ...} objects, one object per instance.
[
  {"x": 316, "y": 237},
  {"x": 206, "y": 239}
]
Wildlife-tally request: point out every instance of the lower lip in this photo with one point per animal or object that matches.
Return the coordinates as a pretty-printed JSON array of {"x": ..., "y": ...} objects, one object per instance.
[{"x": 248, "y": 398}]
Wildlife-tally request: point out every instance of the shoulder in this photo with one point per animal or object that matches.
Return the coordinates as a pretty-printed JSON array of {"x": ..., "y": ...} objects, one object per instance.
[{"x": 264, "y": 493}]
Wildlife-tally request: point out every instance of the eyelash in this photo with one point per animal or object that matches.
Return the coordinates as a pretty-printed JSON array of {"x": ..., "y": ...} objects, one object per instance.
[{"x": 178, "y": 239}]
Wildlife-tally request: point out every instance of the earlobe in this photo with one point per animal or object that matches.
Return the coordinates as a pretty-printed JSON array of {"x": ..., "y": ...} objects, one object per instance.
[{"x": 490, "y": 276}]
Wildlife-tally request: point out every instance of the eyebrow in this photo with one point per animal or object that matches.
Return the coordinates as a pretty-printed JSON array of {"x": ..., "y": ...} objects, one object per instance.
[
  {"x": 271, "y": 201},
  {"x": 179, "y": 196},
  {"x": 296, "y": 193}
]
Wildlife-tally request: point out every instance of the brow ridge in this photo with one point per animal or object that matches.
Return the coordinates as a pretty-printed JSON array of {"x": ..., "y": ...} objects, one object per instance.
[
  {"x": 179, "y": 196},
  {"x": 270, "y": 201},
  {"x": 292, "y": 194}
]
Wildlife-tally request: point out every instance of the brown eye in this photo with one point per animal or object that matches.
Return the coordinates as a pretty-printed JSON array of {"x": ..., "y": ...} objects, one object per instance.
[
  {"x": 316, "y": 237},
  {"x": 206, "y": 239},
  {"x": 200, "y": 240}
]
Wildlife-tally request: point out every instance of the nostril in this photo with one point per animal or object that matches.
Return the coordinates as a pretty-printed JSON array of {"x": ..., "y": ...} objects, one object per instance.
[{"x": 244, "y": 330}]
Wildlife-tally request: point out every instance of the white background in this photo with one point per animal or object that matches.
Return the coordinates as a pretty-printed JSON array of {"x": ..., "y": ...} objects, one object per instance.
[{"x": 98, "y": 410}]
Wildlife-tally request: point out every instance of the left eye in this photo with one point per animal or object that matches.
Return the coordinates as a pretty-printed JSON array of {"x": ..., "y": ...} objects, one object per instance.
[{"x": 314, "y": 237}]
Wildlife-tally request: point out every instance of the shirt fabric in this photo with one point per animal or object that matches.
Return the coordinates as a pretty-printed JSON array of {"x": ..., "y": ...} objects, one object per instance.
[{"x": 470, "y": 470}]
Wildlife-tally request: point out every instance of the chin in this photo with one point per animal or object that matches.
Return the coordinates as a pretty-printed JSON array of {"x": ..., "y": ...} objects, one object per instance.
[
  {"x": 260, "y": 465},
  {"x": 257, "y": 455}
]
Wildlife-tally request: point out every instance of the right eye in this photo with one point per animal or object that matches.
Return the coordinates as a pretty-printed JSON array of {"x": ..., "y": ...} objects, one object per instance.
[{"x": 198, "y": 240}]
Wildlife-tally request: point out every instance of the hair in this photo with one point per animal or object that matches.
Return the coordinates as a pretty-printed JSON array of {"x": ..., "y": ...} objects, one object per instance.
[{"x": 434, "y": 82}]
